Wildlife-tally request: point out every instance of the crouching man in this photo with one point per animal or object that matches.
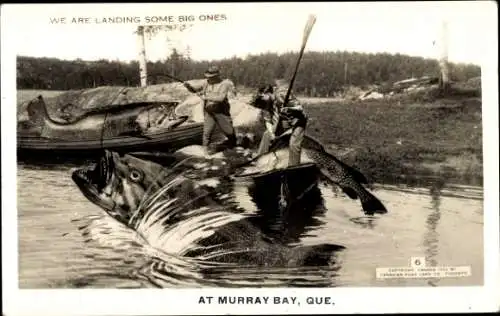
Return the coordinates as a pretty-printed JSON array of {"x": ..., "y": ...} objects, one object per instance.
[{"x": 280, "y": 118}]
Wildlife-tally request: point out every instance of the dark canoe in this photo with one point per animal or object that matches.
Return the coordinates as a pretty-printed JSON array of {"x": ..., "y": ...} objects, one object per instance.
[
  {"x": 159, "y": 140},
  {"x": 292, "y": 183}
]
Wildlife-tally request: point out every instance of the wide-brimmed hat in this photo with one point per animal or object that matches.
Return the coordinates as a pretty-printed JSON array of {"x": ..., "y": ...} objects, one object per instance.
[{"x": 212, "y": 71}]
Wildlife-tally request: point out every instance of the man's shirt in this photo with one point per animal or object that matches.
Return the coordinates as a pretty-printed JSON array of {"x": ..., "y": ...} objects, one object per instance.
[
  {"x": 290, "y": 118},
  {"x": 220, "y": 90}
]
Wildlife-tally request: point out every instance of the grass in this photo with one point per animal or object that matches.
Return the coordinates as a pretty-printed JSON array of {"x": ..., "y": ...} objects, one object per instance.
[
  {"x": 27, "y": 95},
  {"x": 395, "y": 139}
]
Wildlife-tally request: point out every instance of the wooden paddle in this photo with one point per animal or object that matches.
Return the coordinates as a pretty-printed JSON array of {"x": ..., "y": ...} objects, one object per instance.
[{"x": 307, "y": 31}]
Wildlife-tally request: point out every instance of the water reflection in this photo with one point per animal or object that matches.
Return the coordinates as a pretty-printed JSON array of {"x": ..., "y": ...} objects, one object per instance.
[
  {"x": 364, "y": 221},
  {"x": 287, "y": 225},
  {"x": 431, "y": 236}
]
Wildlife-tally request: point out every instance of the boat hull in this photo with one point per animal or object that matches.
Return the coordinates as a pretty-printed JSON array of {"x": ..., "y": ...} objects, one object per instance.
[
  {"x": 290, "y": 185},
  {"x": 164, "y": 141}
]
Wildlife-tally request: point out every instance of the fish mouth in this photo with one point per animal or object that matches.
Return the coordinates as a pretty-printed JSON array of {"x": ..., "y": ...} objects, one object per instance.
[{"x": 92, "y": 179}]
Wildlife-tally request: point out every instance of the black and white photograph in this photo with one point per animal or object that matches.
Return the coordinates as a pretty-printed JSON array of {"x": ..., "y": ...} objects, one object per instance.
[{"x": 250, "y": 157}]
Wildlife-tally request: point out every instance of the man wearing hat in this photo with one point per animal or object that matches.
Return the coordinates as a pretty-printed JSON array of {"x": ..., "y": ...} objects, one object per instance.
[{"x": 215, "y": 95}]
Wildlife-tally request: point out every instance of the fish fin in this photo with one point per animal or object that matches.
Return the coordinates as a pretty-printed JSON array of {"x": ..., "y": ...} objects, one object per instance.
[
  {"x": 350, "y": 192},
  {"x": 371, "y": 205},
  {"x": 325, "y": 177}
]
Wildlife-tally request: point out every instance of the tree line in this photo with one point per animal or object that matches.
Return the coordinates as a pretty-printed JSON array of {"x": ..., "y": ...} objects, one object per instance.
[{"x": 321, "y": 74}]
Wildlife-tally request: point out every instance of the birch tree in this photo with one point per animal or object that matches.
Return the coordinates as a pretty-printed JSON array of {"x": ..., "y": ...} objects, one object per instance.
[
  {"x": 151, "y": 31},
  {"x": 444, "y": 81},
  {"x": 143, "y": 71}
]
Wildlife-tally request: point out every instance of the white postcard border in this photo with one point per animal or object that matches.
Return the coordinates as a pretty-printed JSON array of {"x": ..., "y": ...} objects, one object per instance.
[{"x": 178, "y": 301}]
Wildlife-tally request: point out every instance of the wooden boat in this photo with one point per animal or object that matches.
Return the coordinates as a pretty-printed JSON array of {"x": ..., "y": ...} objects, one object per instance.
[
  {"x": 112, "y": 128},
  {"x": 158, "y": 141}
]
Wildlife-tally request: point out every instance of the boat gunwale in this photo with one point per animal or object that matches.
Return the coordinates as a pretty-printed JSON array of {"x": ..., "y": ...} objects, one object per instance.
[
  {"x": 257, "y": 175},
  {"x": 157, "y": 137}
]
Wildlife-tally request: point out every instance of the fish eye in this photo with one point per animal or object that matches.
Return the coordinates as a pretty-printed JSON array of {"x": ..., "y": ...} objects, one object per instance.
[{"x": 135, "y": 175}]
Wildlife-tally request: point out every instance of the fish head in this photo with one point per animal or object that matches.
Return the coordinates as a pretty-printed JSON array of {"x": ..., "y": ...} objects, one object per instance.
[{"x": 118, "y": 184}]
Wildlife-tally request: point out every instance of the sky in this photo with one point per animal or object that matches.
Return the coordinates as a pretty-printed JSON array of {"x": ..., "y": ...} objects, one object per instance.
[{"x": 411, "y": 28}]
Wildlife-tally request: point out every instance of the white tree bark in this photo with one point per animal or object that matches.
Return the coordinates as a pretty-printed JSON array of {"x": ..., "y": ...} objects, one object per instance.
[
  {"x": 152, "y": 30},
  {"x": 443, "y": 58},
  {"x": 143, "y": 72}
]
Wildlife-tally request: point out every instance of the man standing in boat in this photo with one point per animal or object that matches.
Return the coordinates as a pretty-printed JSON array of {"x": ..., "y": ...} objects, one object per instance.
[
  {"x": 280, "y": 118},
  {"x": 215, "y": 93}
]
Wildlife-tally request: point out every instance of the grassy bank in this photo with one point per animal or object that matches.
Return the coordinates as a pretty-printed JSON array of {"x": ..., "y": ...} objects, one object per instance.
[
  {"x": 27, "y": 95},
  {"x": 406, "y": 140}
]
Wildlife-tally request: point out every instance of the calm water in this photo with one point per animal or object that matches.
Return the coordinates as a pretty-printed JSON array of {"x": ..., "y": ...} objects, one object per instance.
[{"x": 66, "y": 241}]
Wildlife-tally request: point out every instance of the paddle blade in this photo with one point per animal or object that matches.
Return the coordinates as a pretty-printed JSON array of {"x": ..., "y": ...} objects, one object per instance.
[{"x": 308, "y": 28}]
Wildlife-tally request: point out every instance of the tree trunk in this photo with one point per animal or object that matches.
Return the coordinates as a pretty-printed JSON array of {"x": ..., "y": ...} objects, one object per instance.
[
  {"x": 345, "y": 73},
  {"x": 444, "y": 81},
  {"x": 143, "y": 72}
]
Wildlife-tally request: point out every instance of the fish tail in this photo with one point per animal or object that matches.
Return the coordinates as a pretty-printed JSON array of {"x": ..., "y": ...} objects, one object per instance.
[
  {"x": 37, "y": 111},
  {"x": 372, "y": 205},
  {"x": 369, "y": 202}
]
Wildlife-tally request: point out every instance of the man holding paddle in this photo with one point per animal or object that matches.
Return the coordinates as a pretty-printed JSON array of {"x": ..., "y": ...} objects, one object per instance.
[
  {"x": 282, "y": 112},
  {"x": 281, "y": 118},
  {"x": 215, "y": 95}
]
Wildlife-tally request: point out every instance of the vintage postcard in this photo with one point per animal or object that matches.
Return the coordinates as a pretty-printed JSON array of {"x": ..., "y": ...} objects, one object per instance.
[{"x": 249, "y": 158}]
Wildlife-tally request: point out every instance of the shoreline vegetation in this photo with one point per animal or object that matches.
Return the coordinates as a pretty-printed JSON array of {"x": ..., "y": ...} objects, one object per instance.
[{"x": 413, "y": 138}]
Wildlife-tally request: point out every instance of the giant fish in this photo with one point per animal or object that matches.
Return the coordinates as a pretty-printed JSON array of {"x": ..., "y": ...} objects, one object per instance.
[
  {"x": 140, "y": 193},
  {"x": 95, "y": 124}
]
